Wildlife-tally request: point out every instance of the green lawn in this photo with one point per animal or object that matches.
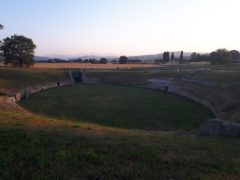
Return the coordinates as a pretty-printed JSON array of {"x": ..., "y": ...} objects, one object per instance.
[{"x": 123, "y": 107}]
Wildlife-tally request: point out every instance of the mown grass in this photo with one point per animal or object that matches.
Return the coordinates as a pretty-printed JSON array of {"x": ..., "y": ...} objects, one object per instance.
[{"x": 122, "y": 107}]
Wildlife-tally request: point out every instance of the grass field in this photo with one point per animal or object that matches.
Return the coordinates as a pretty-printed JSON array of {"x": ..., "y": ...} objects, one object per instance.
[
  {"x": 39, "y": 147},
  {"x": 36, "y": 147},
  {"x": 119, "y": 107}
]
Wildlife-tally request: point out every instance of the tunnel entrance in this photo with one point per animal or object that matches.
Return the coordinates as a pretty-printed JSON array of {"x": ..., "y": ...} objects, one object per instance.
[
  {"x": 165, "y": 88},
  {"x": 77, "y": 76},
  {"x": 77, "y": 80}
]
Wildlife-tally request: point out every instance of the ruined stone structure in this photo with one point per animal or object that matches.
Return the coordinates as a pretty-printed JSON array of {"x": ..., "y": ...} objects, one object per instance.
[
  {"x": 219, "y": 101},
  {"x": 217, "y": 127}
]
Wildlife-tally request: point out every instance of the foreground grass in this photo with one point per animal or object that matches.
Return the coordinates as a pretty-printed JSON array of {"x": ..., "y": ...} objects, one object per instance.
[
  {"x": 122, "y": 107},
  {"x": 66, "y": 152}
]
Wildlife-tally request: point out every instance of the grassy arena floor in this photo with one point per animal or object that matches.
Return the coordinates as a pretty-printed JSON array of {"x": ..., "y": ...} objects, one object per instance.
[{"x": 122, "y": 107}]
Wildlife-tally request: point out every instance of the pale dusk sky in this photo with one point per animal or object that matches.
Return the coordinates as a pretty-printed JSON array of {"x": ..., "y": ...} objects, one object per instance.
[{"x": 123, "y": 27}]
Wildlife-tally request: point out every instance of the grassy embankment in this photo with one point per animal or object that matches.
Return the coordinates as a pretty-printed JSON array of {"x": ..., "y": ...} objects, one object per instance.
[
  {"x": 37, "y": 147},
  {"x": 229, "y": 79},
  {"x": 14, "y": 78}
]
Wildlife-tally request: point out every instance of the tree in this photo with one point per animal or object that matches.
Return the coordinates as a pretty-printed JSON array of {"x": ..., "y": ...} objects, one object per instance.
[
  {"x": 220, "y": 57},
  {"x": 181, "y": 57},
  {"x": 1, "y": 27},
  {"x": 235, "y": 55},
  {"x": 123, "y": 60},
  {"x": 194, "y": 56},
  {"x": 172, "y": 57},
  {"x": 18, "y": 51},
  {"x": 103, "y": 61},
  {"x": 166, "y": 57},
  {"x": 198, "y": 56},
  {"x": 93, "y": 61}
]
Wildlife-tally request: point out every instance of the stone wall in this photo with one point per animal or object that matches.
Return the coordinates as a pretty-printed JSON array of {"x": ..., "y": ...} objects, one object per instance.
[
  {"x": 217, "y": 127},
  {"x": 26, "y": 92}
]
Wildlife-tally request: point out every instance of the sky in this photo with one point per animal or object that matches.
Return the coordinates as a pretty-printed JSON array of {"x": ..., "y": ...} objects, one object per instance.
[{"x": 123, "y": 27}]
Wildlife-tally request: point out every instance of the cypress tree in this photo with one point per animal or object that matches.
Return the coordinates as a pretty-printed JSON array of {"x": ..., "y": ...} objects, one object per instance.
[
  {"x": 172, "y": 57},
  {"x": 181, "y": 57}
]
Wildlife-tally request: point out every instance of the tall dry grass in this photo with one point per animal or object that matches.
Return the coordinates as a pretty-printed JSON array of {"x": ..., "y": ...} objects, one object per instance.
[{"x": 92, "y": 66}]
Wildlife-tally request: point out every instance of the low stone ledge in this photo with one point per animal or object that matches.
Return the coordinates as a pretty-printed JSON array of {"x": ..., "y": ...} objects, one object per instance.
[
  {"x": 169, "y": 86},
  {"x": 25, "y": 93},
  {"x": 65, "y": 83},
  {"x": 217, "y": 127}
]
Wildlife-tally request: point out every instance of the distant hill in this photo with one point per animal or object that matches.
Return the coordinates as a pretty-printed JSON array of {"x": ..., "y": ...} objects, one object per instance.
[
  {"x": 144, "y": 58},
  {"x": 147, "y": 58},
  {"x": 41, "y": 58}
]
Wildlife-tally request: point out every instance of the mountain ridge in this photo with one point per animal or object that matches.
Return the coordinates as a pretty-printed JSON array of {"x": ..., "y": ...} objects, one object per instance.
[{"x": 144, "y": 58}]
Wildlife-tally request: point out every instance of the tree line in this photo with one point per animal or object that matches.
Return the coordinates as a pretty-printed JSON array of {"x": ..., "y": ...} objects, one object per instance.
[
  {"x": 18, "y": 51},
  {"x": 218, "y": 57},
  {"x": 167, "y": 58}
]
